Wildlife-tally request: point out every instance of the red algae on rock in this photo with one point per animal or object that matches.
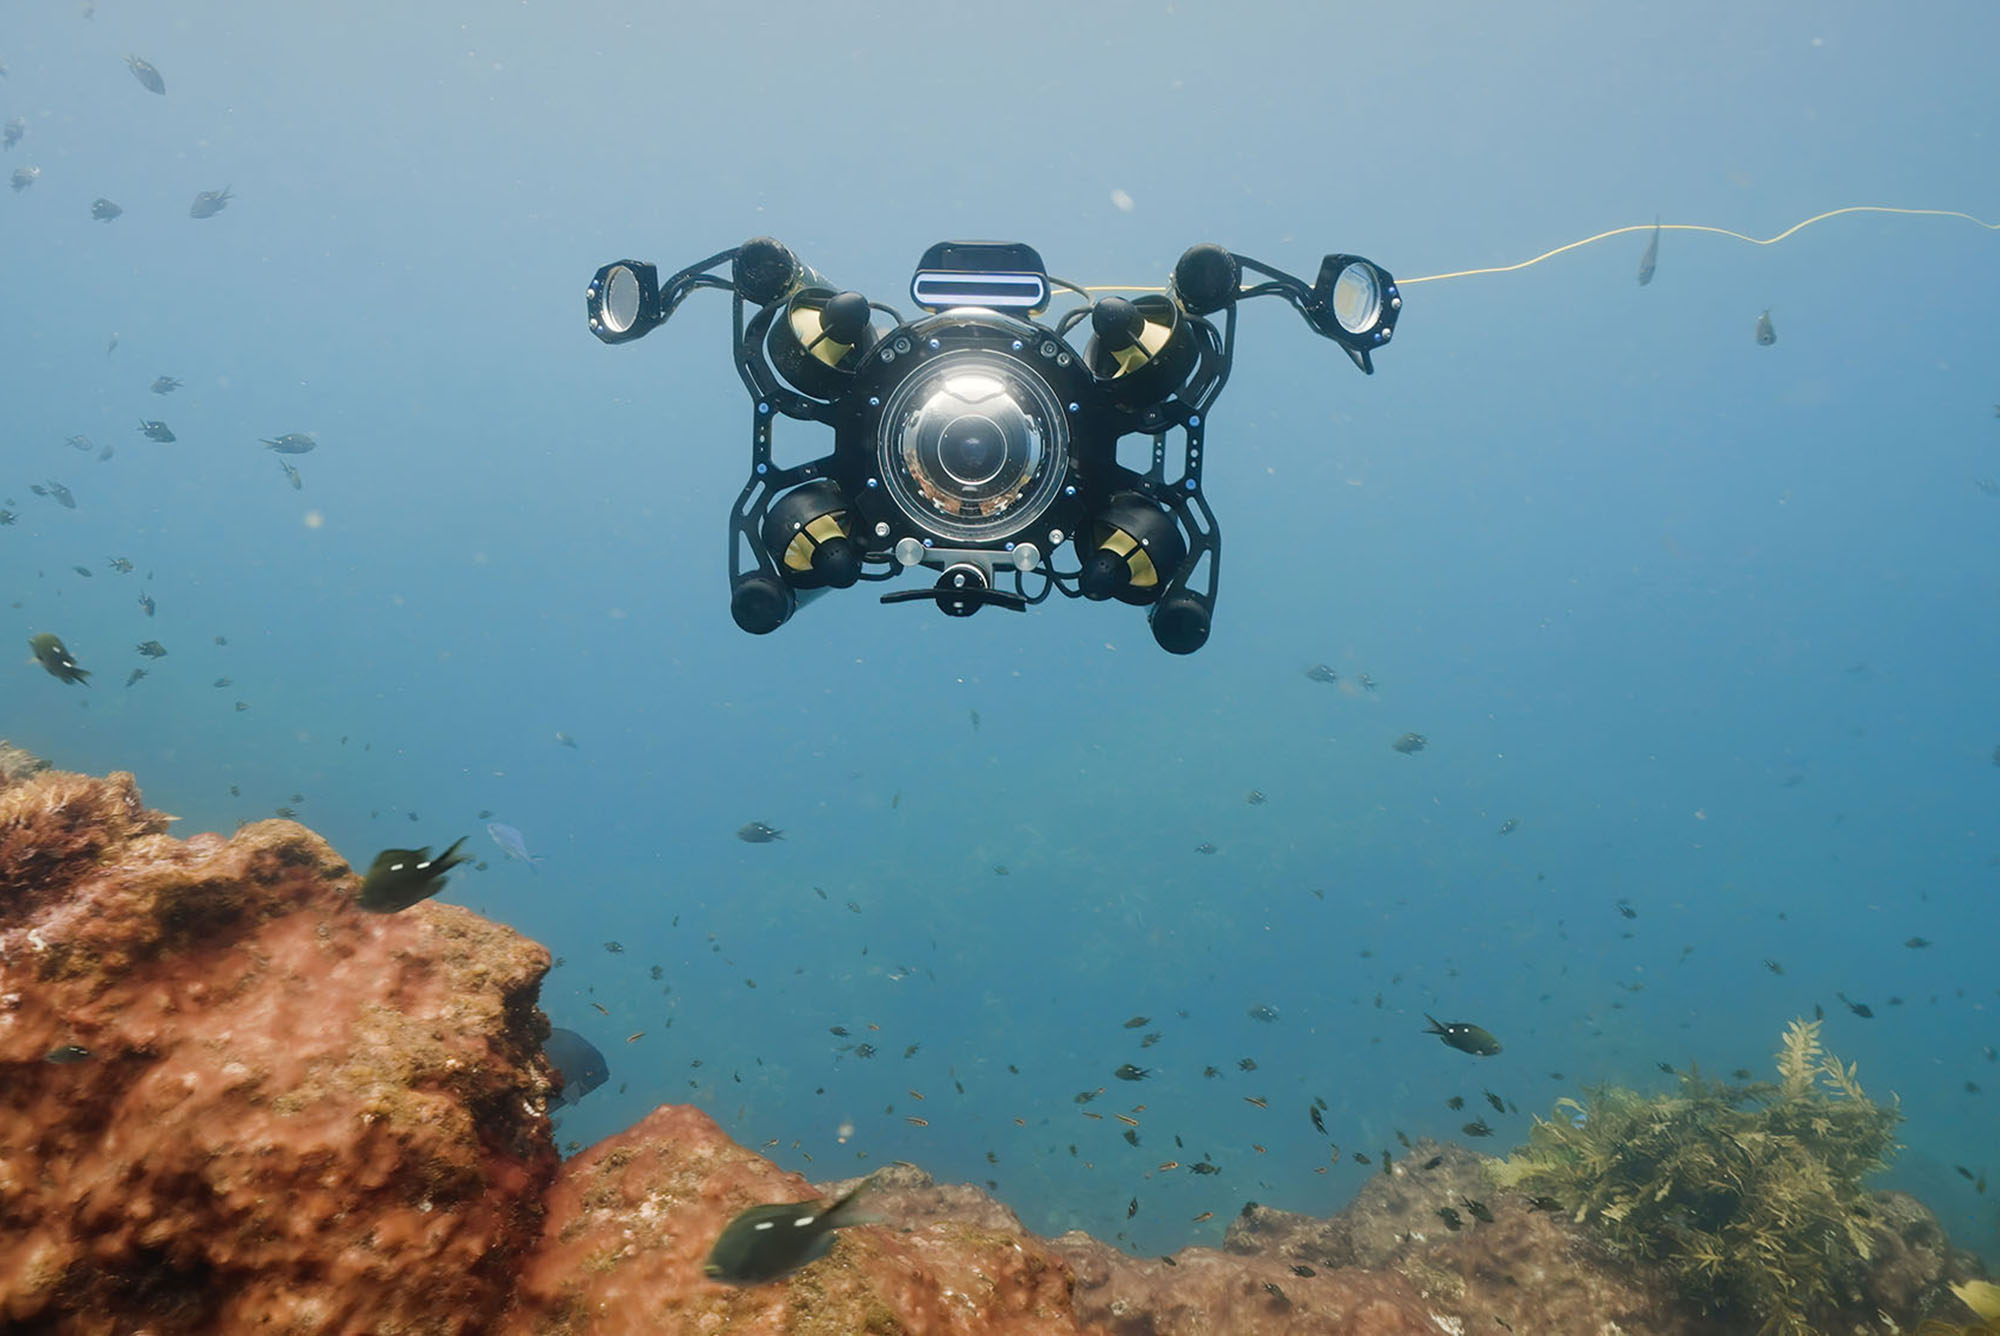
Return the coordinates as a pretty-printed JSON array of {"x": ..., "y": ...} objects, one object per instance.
[
  {"x": 632, "y": 1218},
  {"x": 234, "y": 1101}
]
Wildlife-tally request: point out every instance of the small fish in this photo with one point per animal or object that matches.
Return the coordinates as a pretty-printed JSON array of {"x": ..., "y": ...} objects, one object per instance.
[
  {"x": 146, "y": 604},
  {"x": 577, "y": 1061},
  {"x": 291, "y": 443},
  {"x": 137, "y": 673},
  {"x": 1263, "y": 1013},
  {"x": 511, "y": 843},
  {"x": 155, "y": 430},
  {"x": 766, "y": 1243},
  {"x": 8, "y": 517},
  {"x": 85, "y": 572},
  {"x": 1137, "y": 1023},
  {"x": 209, "y": 203},
  {"x": 103, "y": 210},
  {"x": 1773, "y": 966},
  {"x": 64, "y": 1055},
  {"x": 148, "y": 77},
  {"x": 164, "y": 385},
  {"x": 24, "y": 177},
  {"x": 1508, "y": 827},
  {"x": 15, "y": 128},
  {"x": 1205, "y": 847},
  {"x": 1254, "y": 797},
  {"x": 1128, "y": 1072},
  {"x": 1258, "y": 1100},
  {"x": 292, "y": 476},
  {"x": 82, "y": 444},
  {"x": 1499, "y": 1105},
  {"x": 756, "y": 832},
  {"x": 1477, "y": 1128},
  {"x": 1205, "y": 1167},
  {"x": 1368, "y": 683},
  {"x": 120, "y": 564},
  {"x": 399, "y": 878},
  {"x": 615, "y": 948},
  {"x": 1918, "y": 943},
  {"x": 1132, "y": 1208},
  {"x": 1450, "y": 1218},
  {"x": 1456, "y": 1102},
  {"x": 1861, "y": 1009},
  {"x": 1766, "y": 336},
  {"x": 153, "y": 649},
  {"x": 1625, "y": 910},
  {"x": 49, "y": 649},
  {"x": 1651, "y": 257},
  {"x": 562, "y": 739},
  {"x": 1319, "y": 1123},
  {"x": 55, "y": 492},
  {"x": 1319, "y": 672},
  {"x": 1410, "y": 743},
  {"x": 1465, "y": 1037}
]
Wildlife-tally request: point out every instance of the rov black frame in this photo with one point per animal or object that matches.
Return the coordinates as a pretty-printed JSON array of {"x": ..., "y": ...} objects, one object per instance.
[{"x": 1151, "y": 368}]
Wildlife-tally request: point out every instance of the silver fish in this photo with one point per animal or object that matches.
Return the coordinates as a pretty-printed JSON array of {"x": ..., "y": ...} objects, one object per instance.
[
  {"x": 511, "y": 843},
  {"x": 148, "y": 77},
  {"x": 103, "y": 210},
  {"x": 1652, "y": 255},
  {"x": 24, "y": 177},
  {"x": 1766, "y": 336},
  {"x": 291, "y": 443},
  {"x": 209, "y": 203},
  {"x": 15, "y": 128},
  {"x": 292, "y": 474}
]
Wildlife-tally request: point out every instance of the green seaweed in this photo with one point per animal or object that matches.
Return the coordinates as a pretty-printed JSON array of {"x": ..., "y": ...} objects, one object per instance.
[{"x": 1748, "y": 1196}]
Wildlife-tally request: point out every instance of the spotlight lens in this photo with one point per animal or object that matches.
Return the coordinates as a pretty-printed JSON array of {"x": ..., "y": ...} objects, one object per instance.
[
  {"x": 622, "y": 296},
  {"x": 1357, "y": 299}
]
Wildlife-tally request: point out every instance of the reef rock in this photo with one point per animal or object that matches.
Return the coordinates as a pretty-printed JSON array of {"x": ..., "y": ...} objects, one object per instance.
[
  {"x": 236, "y": 1102},
  {"x": 631, "y": 1221},
  {"x": 18, "y": 763}
]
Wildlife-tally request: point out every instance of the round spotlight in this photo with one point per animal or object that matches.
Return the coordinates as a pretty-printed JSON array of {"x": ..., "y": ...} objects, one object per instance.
[
  {"x": 1355, "y": 303},
  {"x": 973, "y": 446},
  {"x": 623, "y": 300},
  {"x": 1357, "y": 299}
]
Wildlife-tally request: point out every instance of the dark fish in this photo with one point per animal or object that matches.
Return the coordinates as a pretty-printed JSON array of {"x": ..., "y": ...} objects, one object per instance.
[
  {"x": 1861, "y": 1009},
  {"x": 1132, "y": 1209},
  {"x": 153, "y": 649},
  {"x": 577, "y": 1061},
  {"x": 1773, "y": 966},
  {"x": 164, "y": 385},
  {"x": 1450, "y": 1218},
  {"x": 1651, "y": 257},
  {"x": 1263, "y": 1013},
  {"x": 1319, "y": 672},
  {"x": 146, "y": 603},
  {"x": 400, "y": 878},
  {"x": 291, "y": 443},
  {"x": 1319, "y": 1123},
  {"x": 298, "y": 483},
  {"x": 148, "y": 77},
  {"x": 1411, "y": 743},
  {"x": 1130, "y": 1073},
  {"x": 1766, "y": 336},
  {"x": 1478, "y": 1210},
  {"x": 1917, "y": 943},
  {"x": 209, "y": 203},
  {"x": 1625, "y": 910},
  {"x": 1246, "y": 1064},
  {"x": 1499, "y": 1105},
  {"x": 1465, "y": 1037},
  {"x": 1301, "y": 1269},
  {"x": 1456, "y": 1102},
  {"x": 8, "y": 517},
  {"x": 85, "y": 572},
  {"x": 12, "y": 134},
  {"x": 759, "y": 833},
  {"x": 64, "y": 1055},
  {"x": 155, "y": 430},
  {"x": 1508, "y": 827},
  {"x": 1204, "y": 1167},
  {"x": 1205, "y": 847},
  {"x": 137, "y": 673},
  {"x": 55, "y": 492},
  {"x": 103, "y": 210},
  {"x": 765, "y": 1243},
  {"x": 1477, "y": 1128},
  {"x": 1138, "y": 1023},
  {"x": 49, "y": 649}
]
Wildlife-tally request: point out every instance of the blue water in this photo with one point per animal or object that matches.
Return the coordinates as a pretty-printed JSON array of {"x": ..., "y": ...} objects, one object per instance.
[{"x": 1713, "y": 622}]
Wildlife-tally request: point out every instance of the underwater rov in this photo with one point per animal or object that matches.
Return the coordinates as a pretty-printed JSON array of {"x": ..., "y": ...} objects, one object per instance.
[{"x": 975, "y": 440}]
